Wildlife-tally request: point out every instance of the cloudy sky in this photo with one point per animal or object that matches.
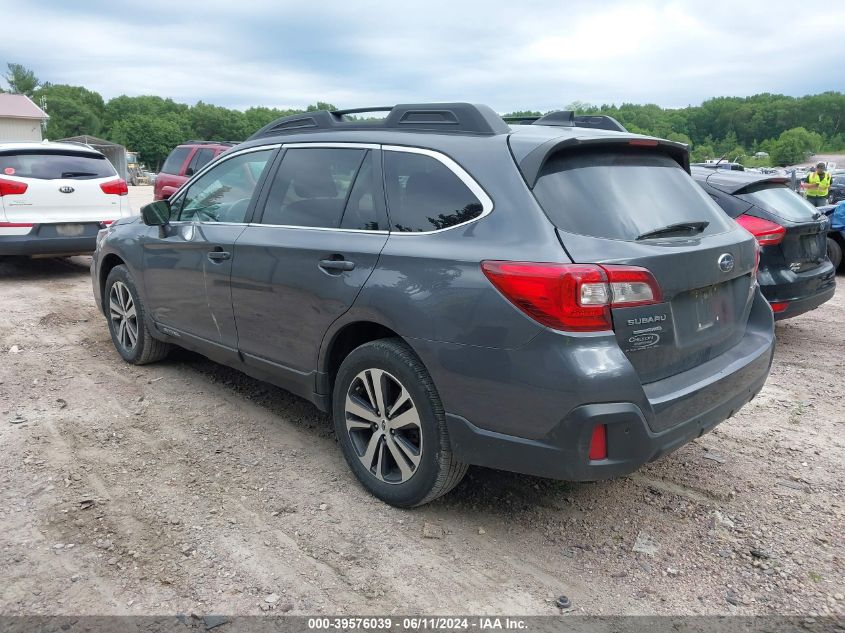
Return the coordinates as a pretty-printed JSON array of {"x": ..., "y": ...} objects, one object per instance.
[{"x": 534, "y": 55}]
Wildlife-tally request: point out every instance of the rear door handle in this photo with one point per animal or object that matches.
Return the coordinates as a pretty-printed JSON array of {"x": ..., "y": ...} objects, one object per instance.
[
  {"x": 219, "y": 256},
  {"x": 336, "y": 264}
]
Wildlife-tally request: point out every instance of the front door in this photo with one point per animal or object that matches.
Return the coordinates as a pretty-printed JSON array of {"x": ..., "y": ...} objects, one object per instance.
[
  {"x": 188, "y": 263},
  {"x": 322, "y": 228}
]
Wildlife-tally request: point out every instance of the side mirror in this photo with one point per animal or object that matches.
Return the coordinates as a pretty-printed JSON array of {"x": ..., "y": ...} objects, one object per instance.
[
  {"x": 156, "y": 213},
  {"x": 189, "y": 172}
]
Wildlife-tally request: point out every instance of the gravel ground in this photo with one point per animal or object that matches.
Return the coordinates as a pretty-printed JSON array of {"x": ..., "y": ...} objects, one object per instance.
[{"x": 188, "y": 487}]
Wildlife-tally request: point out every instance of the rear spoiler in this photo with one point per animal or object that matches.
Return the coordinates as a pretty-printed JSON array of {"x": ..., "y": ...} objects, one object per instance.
[{"x": 531, "y": 165}]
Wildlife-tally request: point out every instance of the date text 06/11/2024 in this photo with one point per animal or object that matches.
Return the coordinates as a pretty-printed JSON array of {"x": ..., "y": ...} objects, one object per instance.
[{"x": 420, "y": 623}]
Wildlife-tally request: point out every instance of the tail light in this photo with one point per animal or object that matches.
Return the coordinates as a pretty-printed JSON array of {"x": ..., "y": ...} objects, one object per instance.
[
  {"x": 12, "y": 187},
  {"x": 115, "y": 187},
  {"x": 767, "y": 233},
  {"x": 572, "y": 297}
]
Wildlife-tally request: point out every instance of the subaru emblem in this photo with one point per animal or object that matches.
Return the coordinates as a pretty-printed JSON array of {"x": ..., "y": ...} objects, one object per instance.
[
  {"x": 67, "y": 189},
  {"x": 726, "y": 263}
]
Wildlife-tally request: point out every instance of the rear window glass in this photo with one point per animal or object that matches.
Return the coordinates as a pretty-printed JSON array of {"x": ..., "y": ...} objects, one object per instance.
[
  {"x": 781, "y": 201},
  {"x": 623, "y": 194},
  {"x": 175, "y": 161},
  {"x": 51, "y": 165},
  {"x": 425, "y": 195}
]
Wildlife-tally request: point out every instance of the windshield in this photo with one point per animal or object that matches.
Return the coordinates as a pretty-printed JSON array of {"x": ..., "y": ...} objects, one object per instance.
[
  {"x": 622, "y": 194},
  {"x": 782, "y": 201},
  {"x": 53, "y": 165}
]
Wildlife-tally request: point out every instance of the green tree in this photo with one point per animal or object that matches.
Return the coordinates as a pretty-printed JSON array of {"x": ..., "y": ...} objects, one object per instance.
[
  {"x": 73, "y": 110},
  {"x": 152, "y": 136},
  {"x": 21, "y": 80},
  {"x": 209, "y": 122},
  {"x": 794, "y": 145}
]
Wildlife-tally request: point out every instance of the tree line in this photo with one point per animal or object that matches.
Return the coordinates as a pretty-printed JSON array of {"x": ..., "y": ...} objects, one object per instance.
[{"x": 788, "y": 129}]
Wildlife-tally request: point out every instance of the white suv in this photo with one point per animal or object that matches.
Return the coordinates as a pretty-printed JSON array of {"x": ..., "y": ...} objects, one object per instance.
[{"x": 55, "y": 197}]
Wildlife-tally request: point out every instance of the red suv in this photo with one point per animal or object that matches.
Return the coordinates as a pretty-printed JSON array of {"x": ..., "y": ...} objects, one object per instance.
[{"x": 183, "y": 162}]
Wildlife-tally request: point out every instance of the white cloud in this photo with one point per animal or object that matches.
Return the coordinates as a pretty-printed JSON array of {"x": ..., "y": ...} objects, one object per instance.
[{"x": 535, "y": 54}]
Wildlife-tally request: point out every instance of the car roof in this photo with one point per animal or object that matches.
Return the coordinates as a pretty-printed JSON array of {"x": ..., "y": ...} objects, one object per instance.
[
  {"x": 10, "y": 146},
  {"x": 733, "y": 182}
]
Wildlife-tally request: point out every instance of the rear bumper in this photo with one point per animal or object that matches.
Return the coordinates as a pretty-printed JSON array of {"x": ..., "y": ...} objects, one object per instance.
[
  {"x": 44, "y": 239},
  {"x": 533, "y": 410},
  {"x": 802, "y": 291},
  {"x": 631, "y": 443}
]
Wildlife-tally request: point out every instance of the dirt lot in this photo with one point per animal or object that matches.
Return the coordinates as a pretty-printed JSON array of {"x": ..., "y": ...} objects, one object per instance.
[{"x": 185, "y": 486}]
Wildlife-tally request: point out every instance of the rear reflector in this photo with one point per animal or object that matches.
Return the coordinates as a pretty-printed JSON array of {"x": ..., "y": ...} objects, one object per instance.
[
  {"x": 15, "y": 225},
  {"x": 572, "y": 297},
  {"x": 115, "y": 187},
  {"x": 12, "y": 187},
  {"x": 779, "y": 306},
  {"x": 767, "y": 233},
  {"x": 598, "y": 443}
]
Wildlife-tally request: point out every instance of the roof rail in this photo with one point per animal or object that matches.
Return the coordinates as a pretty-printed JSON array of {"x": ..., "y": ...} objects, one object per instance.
[
  {"x": 567, "y": 118},
  {"x": 441, "y": 118}
]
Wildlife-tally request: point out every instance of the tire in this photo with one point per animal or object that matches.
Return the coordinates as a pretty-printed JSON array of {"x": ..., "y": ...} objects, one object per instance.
[
  {"x": 834, "y": 253},
  {"x": 123, "y": 305},
  {"x": 390, "y": 368}
]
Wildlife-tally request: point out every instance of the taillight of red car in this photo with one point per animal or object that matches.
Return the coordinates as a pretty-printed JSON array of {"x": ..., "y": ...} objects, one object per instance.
[
  {"x": 572, "y": 297},
  {"x": 767, "y": 233},
  {"x": 115, "y": 187}
]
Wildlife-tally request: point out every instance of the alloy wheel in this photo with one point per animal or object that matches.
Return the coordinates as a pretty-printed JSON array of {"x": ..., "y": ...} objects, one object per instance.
[
  {"x": 124, "y": 316},
  {"x": 383, "y": 424}
]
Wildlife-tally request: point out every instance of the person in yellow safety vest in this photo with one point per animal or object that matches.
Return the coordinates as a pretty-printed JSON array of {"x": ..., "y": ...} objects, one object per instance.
[{"x": 818, "y": 186}]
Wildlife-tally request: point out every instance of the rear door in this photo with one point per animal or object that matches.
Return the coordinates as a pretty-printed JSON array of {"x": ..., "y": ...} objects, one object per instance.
[
  {"x": 617, "y": 206},
  {"x": 301, "y": 265},
  {"x": 63, "y": 186}
]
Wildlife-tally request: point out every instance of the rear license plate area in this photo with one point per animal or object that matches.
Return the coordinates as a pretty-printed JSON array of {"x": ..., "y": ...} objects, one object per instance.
[
  {"x": 705, "y": 307},
  {"x": 70, "y": 230}
]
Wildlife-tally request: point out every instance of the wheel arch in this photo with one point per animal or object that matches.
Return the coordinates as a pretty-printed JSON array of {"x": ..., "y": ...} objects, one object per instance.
[
  {"x": 341, "y": 341},
  {"x": 108, "y": 263}
]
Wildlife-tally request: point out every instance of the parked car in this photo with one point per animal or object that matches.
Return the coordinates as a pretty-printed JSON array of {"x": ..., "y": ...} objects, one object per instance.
[
  {"x": 795, "y": 273},
  {"x": 55, "y": 197},
  {"x": 837, "y": 188},
  {"x": 548, "y": 299},
  {"x": 183, "y": 162},
  {"x": 836, "y": 235}
]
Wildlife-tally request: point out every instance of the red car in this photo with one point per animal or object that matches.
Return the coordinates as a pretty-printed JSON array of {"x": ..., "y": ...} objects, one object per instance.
[{"x": 184, "y": 161}]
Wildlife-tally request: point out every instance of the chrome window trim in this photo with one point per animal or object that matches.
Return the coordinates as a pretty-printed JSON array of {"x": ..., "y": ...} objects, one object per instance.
[
  {"x": 319, "y": 228},
  {"x": 335, "y": 145},
  {"x": 463, "y": 176},
  {"x": 451, "y": 165}
]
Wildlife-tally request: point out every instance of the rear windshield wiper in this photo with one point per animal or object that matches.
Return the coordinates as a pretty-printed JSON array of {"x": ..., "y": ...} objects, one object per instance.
[
  {"x": 77, "y": 174},
  {"x": 679, "y": 228}
]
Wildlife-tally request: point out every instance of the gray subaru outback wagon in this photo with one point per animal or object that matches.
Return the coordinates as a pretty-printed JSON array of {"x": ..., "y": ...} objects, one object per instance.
[{"x": 554, "y": 297}]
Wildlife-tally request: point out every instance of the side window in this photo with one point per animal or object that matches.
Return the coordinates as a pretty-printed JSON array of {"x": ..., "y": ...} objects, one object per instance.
[
  {"x": 224, "y": 192},
  {"x": 425, "y": 195},
  {"x": 323, "y": 187},
  {"x": 201, "y": 158},
  {"x": 174, "y": 162}
]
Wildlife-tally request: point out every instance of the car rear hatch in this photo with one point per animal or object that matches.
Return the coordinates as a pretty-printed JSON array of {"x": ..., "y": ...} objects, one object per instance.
[
  {"x": 634, "y": 204},
  {"x": 58, "y": 186},
  {"x": 802, "y": 245}
]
